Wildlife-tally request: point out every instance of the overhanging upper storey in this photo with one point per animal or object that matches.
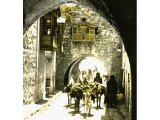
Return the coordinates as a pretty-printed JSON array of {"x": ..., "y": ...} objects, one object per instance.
[{"x": 84, "y": 32}]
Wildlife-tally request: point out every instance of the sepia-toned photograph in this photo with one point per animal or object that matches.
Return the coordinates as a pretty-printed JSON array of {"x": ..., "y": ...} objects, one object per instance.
[{"x": 79, "y": 60}]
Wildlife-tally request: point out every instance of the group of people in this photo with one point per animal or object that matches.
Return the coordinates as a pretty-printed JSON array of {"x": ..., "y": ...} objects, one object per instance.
[{"x": 111, "y": 87}]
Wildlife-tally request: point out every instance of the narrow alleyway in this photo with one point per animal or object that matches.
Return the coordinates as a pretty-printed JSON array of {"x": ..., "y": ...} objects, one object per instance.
[
  {"x": 70, "y": 41},
  {"x": 58, "y": 109}
]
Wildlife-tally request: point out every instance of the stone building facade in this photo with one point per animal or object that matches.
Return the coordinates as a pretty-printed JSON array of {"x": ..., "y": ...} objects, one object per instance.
[
  {"x": 103, "y": 48},
  {"x": 30, "y": 45},
  {"x": 36, "y": 67}
]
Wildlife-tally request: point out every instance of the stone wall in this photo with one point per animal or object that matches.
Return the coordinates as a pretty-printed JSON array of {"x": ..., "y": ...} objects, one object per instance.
[
  {"x": 36, "y": 68},
  {"x": 30, "y": 64},
  {"x": 104, "y": 47}
]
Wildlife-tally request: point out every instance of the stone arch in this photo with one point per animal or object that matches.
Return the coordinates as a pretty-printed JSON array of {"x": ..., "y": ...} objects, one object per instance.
[
  {"x": 68, "y": 71},
  {"x": 38, "y": 9},
  {"x": 67, "y": 75}
]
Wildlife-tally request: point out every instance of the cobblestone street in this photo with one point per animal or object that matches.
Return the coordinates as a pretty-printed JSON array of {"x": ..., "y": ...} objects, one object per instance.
[{"x": 58, "y": 109}]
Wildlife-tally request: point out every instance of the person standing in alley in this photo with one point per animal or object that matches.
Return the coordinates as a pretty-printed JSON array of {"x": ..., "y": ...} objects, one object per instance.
[
  {"x": 98, "y": 79},
  {"x": 112, "y": 88}
]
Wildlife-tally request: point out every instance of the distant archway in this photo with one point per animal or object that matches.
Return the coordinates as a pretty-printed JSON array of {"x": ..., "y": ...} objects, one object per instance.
[{"x": 84, "y": 64}]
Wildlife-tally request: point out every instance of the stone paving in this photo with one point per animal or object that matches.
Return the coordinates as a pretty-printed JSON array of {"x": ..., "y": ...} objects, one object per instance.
[
  {"x": 58, "y": 109},
  {"x": 118, "y": 113}
]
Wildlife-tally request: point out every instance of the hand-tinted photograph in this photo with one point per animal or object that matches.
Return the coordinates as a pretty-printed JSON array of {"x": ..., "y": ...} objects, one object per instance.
[{"x": 79, "y": 59}]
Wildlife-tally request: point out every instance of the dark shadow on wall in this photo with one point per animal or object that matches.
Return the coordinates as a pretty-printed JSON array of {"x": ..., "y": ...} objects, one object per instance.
[{"x": 66, "y": 76}]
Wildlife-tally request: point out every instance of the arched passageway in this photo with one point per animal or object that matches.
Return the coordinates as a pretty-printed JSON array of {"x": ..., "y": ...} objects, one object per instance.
[
  {"x": 88, "y": 64},
  {"x": 67, "y": 75},
  {"x": 32, "y": 14}
]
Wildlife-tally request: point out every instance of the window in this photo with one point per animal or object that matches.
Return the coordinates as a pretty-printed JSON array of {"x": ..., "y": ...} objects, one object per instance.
[{"x": 83, "y": 33}]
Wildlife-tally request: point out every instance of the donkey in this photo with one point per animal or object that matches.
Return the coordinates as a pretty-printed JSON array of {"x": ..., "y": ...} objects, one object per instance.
[{"x": 98, "y": 90}]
